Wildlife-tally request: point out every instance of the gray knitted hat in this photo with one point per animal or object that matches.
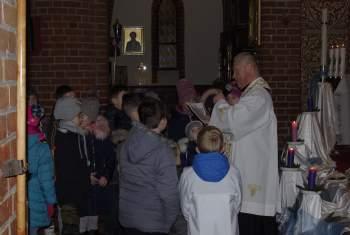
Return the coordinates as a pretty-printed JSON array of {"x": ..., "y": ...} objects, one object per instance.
[
  {"x": 67, "y": 108},
  {"x": 191, "y": 125},
  {"x": 90, "y": 107}
]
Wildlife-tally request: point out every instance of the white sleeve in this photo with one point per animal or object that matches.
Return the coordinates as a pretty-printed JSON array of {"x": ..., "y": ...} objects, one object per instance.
[
  {"x": 238, "y": 188},
  {"x": 185, "y": 195},
  {"x": 249, "y": 114}
]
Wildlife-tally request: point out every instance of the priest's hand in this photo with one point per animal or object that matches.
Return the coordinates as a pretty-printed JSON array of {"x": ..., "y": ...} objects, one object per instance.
[
  {"x": 93, "y": 179},
  {"x": 209, "y": 92},
  {"x": 218, "y": 97},
  {"x": 102, "y": 181}
]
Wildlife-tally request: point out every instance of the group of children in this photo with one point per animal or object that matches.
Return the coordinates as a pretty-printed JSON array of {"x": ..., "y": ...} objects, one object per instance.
[{"x": 116, "y": 172}]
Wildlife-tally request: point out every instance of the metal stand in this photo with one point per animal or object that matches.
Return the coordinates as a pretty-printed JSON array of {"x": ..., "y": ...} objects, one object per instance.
[{"x": 114, "y": 67}]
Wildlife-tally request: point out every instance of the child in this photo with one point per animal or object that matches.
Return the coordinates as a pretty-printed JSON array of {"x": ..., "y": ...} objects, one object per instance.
[
  {"x": 188, "y": 145},
  {"x": 104, "y": 165},
  {"x": 210, "y": 190},
  {"x": 181, "y": 116},
  {"x": 88, "y": 213},
  {"x": 148, "y": 181},
  {"x": 131, "y": 103},
  {"x": 49, "y": 123},
  {"x": 41, "y": 189},
  {"x": 71, "y": 164},
  {"x": 116, "y": 117}
]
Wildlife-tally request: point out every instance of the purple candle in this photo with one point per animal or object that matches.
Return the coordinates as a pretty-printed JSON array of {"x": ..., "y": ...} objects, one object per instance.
[
  {"x": 311, "y": 180},
  {"x": 294, "y": 130},
  {"x": 290, "y": 159}
]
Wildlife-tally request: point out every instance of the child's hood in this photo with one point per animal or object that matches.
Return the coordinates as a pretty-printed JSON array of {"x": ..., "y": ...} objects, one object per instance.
[
  {"x": 141, "y": 143},
  {"x": 211, "y": 167}
]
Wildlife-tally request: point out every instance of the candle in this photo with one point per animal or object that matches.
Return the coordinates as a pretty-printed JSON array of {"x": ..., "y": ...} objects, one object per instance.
[
  {"x": 290, "y": 159},
  {"x": 311, "y": 180},
  {"x": 324, "y": 15},
  {"x": 294, "y": 130},
  {"x": 324, "y": 38},
  {"x": 342, "y": 61},
  {"x": 336, "y": 57},
  {"x": 310, "y": 104},
  {"x": 331, "y": 61}
]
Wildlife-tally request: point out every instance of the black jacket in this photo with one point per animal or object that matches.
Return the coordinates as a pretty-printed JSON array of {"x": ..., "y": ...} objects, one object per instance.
[
  {"x": 71, "y": 168},
  {"x": 117, "y": 119}
]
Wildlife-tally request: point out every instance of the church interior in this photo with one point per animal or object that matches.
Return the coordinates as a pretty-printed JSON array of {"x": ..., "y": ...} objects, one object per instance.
[{"x": 300, "y": 48}]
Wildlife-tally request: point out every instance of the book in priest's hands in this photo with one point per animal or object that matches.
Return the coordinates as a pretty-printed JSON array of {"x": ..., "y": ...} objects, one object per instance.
[{"x": 200, "y": 112}]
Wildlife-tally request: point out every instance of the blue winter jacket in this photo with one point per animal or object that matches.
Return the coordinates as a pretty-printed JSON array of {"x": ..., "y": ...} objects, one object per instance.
[{"x": 41, "y": 190}]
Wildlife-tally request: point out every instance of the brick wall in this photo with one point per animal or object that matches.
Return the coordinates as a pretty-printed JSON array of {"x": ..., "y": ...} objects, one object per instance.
[
  {"x": 280, "y": 56},
  {"x": 70, "y": 47},
  {"x": 74, "y": 49},
  {"x": 8, "y": 76},
  {"x": 338, "y": 33}
]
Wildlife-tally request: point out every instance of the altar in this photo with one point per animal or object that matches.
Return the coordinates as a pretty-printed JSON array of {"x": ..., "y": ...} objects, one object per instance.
[{"x": 315, "y": 173}]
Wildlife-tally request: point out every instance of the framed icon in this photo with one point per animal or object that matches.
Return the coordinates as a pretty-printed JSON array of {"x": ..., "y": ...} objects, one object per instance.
[{"x": 133, "y": 40}]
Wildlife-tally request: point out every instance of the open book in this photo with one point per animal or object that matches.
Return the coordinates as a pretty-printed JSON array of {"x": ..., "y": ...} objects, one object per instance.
[{"x": 199, "y": 111}]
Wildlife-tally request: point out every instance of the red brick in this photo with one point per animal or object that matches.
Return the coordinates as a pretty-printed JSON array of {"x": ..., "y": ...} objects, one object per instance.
[
  {"x": 5, "y": 208},
  {"x": 13, "y": 148},
  {"x": 10, "y": 18},
  {"x": 4, "y": 35},
  {"x": 4, "y": 101},
  {"x": 11, "y": 122},
  {"x": 13, "y": 95},
  {"x": 4, "y": 152},
  {"x": 6, "y": 232},
  {"x": 12, "y": 43},
  {"x": 13, "y": 226},
  {"x": 10, "y": 70}
]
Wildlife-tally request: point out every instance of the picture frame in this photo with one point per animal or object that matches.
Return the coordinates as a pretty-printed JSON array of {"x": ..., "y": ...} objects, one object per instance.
[
  {"x": 255, "y": 22},
  {"x": 133, "y": 40}
]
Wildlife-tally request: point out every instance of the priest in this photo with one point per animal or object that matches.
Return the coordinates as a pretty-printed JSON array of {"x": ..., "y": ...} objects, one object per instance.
[{"x": 253, "y": 123}]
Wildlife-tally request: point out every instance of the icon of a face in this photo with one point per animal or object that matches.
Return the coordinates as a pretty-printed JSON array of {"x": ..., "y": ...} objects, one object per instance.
[{"x": 133, "y": 35}]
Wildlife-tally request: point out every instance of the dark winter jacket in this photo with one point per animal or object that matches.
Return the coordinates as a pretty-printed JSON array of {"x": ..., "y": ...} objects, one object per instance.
[
  {"x": 41, "y": 190},
  {"x": 149, "y": 198},
  {"x": 72, "y": 168},
  {"x": 177, "y": 124},
  {"x": 188, "y": 156},
  {"x": 104, "y": 164},
  {"x": 117, "y": 119}
]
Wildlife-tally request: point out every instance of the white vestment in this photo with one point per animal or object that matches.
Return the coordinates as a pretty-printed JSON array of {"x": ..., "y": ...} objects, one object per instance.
[
  {"x": 253, "y": 124},
  {"x": 210, "y": 208}
]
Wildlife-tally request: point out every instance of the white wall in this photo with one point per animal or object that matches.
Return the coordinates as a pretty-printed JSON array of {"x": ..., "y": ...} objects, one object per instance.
[{"x": 203, "y": 24}]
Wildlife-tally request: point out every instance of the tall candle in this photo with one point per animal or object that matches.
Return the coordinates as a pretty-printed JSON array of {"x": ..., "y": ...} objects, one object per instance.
[
  {"x": 331, "y": 61},
  {"x": 290, "y": 158},
  {"x": 294, "y": 130},
  {"x": 311, "y": 179},
  {"x": 324, "y": 38},
  {"x": 342, "y": 61},
  {"x": 336, "y": 57}
]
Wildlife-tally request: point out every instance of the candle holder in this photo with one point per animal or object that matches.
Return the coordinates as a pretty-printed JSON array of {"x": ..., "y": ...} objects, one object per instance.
[
  {"x": 317, "y": 189},
  {"x": 323, "y": 73},
  {"x": 294, "y": 166}
]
